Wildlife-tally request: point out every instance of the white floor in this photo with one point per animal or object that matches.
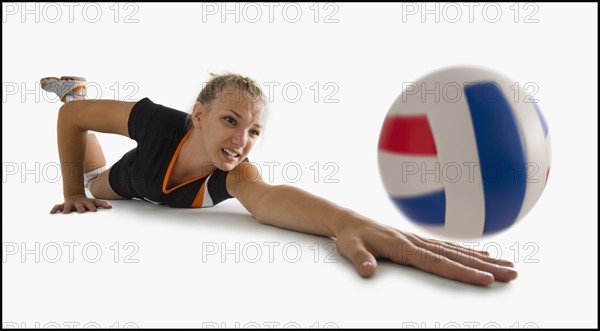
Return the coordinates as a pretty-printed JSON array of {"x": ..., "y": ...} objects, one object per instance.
[{"x": 154, "y": 266}]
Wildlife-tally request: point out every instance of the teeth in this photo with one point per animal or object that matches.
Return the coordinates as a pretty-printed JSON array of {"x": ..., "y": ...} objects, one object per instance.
[{"x": 229, "y": 152}]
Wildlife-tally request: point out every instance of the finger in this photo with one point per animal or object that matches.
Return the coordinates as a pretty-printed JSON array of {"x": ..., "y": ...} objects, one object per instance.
[
  {"x": 470, "y": 259},
  {"x": 444, "y": 246},
  {"x": 442, "y": 266},
  {"x": 451, "y": 244},
  {"x": 68, "y": 207},
  {"x": 55, "y": 209},
  {"x": 102, "y": 204},
  {"x": 79, "y": 206},
  {"x": 364, "y": 262},
  {"x": 90, "y": 205}
]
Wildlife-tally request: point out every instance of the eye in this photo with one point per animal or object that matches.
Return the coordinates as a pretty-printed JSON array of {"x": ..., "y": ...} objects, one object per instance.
[
  {"x": 230, "y": 120},
  {"x": 254, "y": 132}
]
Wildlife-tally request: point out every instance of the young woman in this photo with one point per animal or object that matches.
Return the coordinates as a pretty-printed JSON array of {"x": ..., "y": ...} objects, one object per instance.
[{"x": 200, "y": 159}]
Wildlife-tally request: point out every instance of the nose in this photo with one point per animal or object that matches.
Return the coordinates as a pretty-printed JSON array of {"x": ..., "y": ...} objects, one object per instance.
[{"x": 239, "y": 138}]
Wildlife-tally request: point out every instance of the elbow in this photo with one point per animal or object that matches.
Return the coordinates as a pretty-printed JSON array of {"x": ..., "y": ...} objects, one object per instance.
[
  {"x": 267, "y": 208},
  {"x": 261, "y": 220},
  {"x": 262, "y": 208},
  {"x": 258, "y": 210}
]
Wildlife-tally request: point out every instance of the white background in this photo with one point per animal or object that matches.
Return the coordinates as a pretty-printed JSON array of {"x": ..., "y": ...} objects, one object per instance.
[{"x": 366, "y": 52}]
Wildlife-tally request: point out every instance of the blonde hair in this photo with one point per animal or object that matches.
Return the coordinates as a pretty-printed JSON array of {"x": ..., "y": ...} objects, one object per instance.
[{"x": 222, "y": 85}]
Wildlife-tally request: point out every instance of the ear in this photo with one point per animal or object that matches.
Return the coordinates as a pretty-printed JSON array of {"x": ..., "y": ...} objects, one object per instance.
[{"x": 197, "y": 113}]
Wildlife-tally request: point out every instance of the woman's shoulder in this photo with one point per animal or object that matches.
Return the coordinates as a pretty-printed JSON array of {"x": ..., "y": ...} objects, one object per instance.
[
  {"x": 147, "y": 104},
  {"x": 148, "y": 116}
]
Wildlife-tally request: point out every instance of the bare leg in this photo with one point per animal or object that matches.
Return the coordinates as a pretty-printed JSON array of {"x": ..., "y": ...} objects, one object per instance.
[
  {"x": 94, "y": 160},
  {"x": 101, "y": 189},
  {"x": 94, "y": 157}
]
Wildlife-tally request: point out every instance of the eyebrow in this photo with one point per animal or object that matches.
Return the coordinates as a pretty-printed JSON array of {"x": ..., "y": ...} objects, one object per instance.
[{"x": 240, "y": 116}]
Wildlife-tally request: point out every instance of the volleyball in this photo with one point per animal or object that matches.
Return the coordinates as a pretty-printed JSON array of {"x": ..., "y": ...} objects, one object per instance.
[{"x": 464, "y": 152}]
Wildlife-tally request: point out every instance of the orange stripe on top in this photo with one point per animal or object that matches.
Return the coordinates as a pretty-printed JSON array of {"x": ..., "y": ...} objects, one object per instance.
[
  {"x": 168, "y": 173},
  {"x": 80, "y": 87}
]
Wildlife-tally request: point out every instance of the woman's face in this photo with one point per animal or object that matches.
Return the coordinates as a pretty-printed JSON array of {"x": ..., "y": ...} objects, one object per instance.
[{"x": 229, "y": 128}]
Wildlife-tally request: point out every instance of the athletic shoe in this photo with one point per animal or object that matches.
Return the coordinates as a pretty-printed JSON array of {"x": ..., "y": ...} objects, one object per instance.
[{"x": 67, "y": 88}]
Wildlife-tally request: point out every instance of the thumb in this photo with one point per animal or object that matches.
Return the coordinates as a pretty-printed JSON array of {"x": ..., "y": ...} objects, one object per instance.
[
  {"x": 367, "y": 266},
  {"x": 364, "y": 262}
]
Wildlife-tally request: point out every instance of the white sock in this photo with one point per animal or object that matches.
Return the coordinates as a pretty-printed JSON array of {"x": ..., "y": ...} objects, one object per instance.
[
  {"x": 72, "y": 97},
  {"x": 91, "y": 176}
]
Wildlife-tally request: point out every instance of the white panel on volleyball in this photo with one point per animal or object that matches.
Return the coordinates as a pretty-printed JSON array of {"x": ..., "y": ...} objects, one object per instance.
[
  {"x": 410, "y": 101},
  {"x": 411, "y": 174},
  {"x": 456, "y": 146},
  {"x": 537, "y": 149}
]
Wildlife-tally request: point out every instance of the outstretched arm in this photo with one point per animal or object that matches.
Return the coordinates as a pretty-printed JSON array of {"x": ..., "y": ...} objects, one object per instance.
[{"x": 358, "y": 238}]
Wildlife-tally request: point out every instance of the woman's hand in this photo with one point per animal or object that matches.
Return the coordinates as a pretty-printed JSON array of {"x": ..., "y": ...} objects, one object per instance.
[
  {"x": 362, "y": 242},
  {"x": 81, "y": 203}
]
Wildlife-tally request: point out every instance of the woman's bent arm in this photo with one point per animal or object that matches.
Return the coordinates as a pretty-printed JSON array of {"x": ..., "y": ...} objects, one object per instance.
[{"x": 74, "y": 120}]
